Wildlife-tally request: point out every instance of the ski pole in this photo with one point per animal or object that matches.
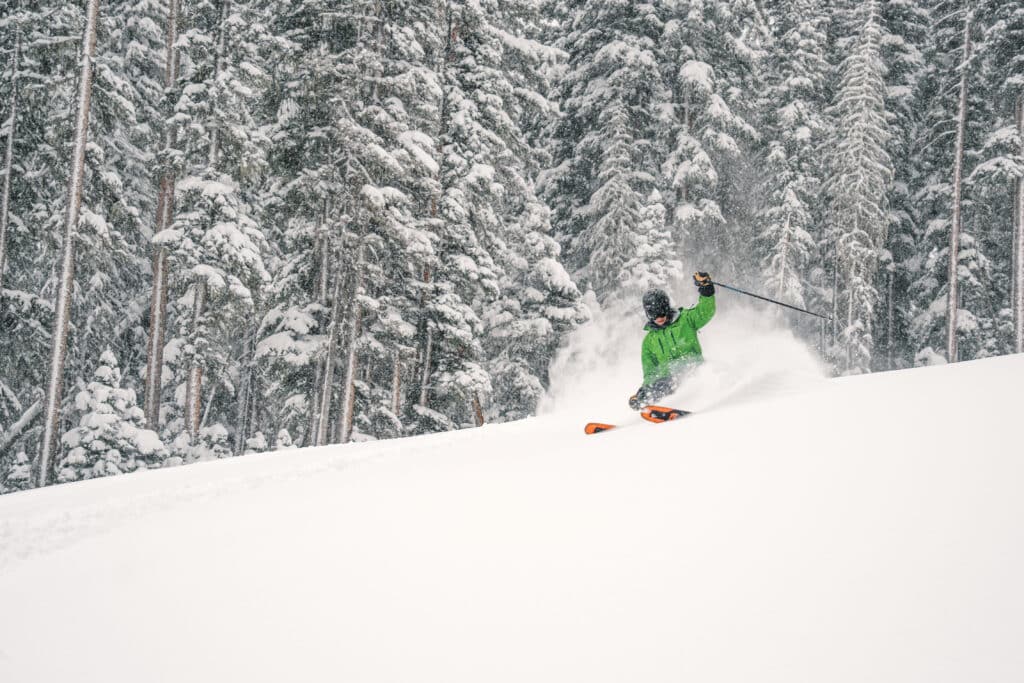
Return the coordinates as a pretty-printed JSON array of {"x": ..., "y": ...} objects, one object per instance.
[{"x": 773, "y": 301}]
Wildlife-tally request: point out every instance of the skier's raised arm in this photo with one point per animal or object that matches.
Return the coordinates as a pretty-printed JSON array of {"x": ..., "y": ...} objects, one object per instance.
[{"x": 702, "y": 313}]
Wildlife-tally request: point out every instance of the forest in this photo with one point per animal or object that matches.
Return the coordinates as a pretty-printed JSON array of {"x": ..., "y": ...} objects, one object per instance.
[{"x": 233, "y": 226}]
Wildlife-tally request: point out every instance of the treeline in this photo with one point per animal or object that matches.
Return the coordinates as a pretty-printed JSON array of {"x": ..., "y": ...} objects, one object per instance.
[
  {"x": 863, "y": 159},
  {"x": 300, "y": 221},
  {"x": 231, "y": 226}
]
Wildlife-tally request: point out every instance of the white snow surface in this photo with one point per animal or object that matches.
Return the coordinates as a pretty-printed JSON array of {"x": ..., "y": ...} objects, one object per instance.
[{"x": 793, "y": 529}]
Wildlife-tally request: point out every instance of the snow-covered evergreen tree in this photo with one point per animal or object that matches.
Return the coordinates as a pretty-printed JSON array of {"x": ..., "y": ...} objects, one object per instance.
[
  {"x": 790, "y": 222},
  {"x": 706, "y": 53},
  {"x": 379, "y": 196},
  {"x": 111, "y": 437},
  {"x": 954, "y": 130},
  {"x": 111, "y": 264},
  {"x": 653, "y": 260},
  {"x": 168, "y": 161},
  {"x": 905, "y": 25},
  {"x": 464, "y": 279},
  {"x": 538, "y": 306},
  {"x": 216, "y": 247},
  {"x": 605, "y": 163},
  {"x": 538, "y": 303},
  {"x": 49, "y": 447},
  {"x": 859, "y": 176}
]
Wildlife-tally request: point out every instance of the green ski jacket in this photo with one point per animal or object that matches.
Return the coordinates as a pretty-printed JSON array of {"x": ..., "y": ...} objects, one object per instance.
[{"x": 668, "y": 349}]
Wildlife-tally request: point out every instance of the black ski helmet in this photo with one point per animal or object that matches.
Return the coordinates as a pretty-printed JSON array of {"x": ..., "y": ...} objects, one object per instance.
[{"x": 656, "y": 304}]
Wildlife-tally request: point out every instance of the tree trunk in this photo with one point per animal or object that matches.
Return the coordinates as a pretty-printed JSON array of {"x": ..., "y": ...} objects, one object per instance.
[
  {"x": 5, "y": 198},
  {"x": 158, "y": 309},
  {"x": 209, "y": 406},
  {"x": 222, "y": 32},
  {"x": 243, "y": 424},
  {"x": 956, "y": 223},
  {"x": 835, "y": 296},
  {"x": 254, "y": 406},
  {"x": 684, "y": 193},
  {"x": 785, "y": 255},
  {"x": 890, "y": 317},
  {"x": 849, "y": 321},
  {"x": 428, "y": 337},
  {"x": 396, "y": 385},
  {"x": 328, "y": 374},
  {"x": 242, "y": 420},
  {"x": 313, "y": 419},
  {"x": 478, "y": 411},
  {"x": 324, "y": 373},
  {"x": 164, "y": 217},
  {"x": 194, "y": 385},
  {"x": 425, "y": 378},
  {"x": 348, "y": 393},
  {"x": 51, "y": 425},
  {"x": 1018, "y": 243},
  {"x": 323, "y": 248}
]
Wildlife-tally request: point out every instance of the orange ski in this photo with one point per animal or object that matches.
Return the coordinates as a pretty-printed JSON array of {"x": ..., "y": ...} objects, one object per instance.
[
  {"x": 597, "y": 427},
  {"x": 650, "y": 413}
]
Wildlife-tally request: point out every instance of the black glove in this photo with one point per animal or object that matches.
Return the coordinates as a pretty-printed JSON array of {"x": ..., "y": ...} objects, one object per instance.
[
  {"x": 704, "y": 284},
  {"x": 640, "y": 398}
]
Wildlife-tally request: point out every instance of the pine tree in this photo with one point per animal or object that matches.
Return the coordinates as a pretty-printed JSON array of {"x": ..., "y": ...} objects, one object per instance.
[
  {"x": 168, "y": 159},
  {"x": 953, "y": 287},
  {"x": 367, "y": 215},
  {"x": 110, "y": 438},
  {"x": 216, "y": 247},
  {"x": 538, "y": 303},
  {"x": 605, "y": 163},
  {"x": 653, "y": 261},
  {"x": 707, "y": 54},
  {"x": 453, "y": 380},
  {"x": 54, "y": 389},
  {"x": 795, "y": 101},
  {"x": 104, "y": 306},
  {"x": 113, "y": 235},
  {"x": 857, "y": 187},
  {"x": 905, "y": 26},
  {"x": 307, "y": 211}
]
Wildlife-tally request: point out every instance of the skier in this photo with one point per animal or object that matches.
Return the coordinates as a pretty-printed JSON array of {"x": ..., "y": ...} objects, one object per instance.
[{"x": 671, "y": 347}]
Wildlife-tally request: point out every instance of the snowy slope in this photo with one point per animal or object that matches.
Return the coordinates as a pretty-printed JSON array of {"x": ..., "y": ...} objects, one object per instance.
[{"x": 798, "y": 529}]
